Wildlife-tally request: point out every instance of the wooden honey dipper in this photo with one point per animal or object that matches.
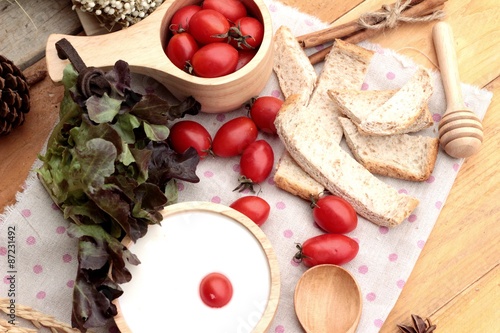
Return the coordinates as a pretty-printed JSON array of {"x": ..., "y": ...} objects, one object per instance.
[{"x": 460, "y": 130}]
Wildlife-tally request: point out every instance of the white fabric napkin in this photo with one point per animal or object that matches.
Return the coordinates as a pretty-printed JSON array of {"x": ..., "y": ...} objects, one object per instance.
[{"x": 46, "y": 257}]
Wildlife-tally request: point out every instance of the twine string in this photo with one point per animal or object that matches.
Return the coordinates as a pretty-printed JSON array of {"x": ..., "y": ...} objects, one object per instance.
[
  {"x": 390, "y": 16},
  {"x": 36, "y": 318}
]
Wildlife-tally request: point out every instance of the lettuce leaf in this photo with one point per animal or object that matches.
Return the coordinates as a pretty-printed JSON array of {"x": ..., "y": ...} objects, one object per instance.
[{"x": 110, "y": 170}]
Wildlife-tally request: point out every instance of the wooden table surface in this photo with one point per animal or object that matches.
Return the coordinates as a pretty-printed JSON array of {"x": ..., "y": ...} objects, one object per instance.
[{"x": 456, "y": 281}]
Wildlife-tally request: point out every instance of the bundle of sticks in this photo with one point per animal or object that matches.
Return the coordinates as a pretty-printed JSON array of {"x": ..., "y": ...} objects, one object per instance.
[{"x": 370, "y": 24}]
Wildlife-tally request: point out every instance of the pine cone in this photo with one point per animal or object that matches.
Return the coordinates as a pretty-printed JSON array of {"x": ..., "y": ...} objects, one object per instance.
[{"x": 14, "y": 96}]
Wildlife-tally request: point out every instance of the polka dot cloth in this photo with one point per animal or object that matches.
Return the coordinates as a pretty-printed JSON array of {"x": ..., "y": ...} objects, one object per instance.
[{"x": 47, "y": 257}]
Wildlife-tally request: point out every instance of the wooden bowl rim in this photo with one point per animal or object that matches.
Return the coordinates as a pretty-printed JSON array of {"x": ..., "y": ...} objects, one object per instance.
[{"x": 252, "y": 65}]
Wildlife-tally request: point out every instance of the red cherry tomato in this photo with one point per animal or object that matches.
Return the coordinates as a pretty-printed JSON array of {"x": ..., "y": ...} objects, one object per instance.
[
  {"x": 215, "y": 60},
  {"x": 216, "y": 290},
  {"x": 254, "y": 207},
  {"x": 333, "y": 249},
  {"x": 181, "y": 48},
  {"x": 234, "y": 136},
  {"x": 180, "y": 19},
  {"x": 335, "y": 215},
  {"x": 187, "y": 133},
  {"x": 244, "y": 57},
  {"x": 231, "y": 9},
  {"x": 209, "y": 26},
  {"x": 263, "y": 112},
  {"x": 257, "y": 161},
  {"x": 247, "y": 33}
]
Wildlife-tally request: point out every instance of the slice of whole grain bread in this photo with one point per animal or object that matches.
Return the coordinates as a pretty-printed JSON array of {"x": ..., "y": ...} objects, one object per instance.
[
  {"x": 293, "y": 69},
  {"x": 359, "y": 104},
  {"x": 337, "y": 171},
  {"x": 344, "y": 68},
  {"x": 401, "y": 111},
  {"x": 409, "y": 157}
]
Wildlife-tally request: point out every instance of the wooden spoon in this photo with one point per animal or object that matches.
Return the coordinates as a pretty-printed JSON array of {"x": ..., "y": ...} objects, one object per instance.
[
  {"x": 460, "y": 130},
  {"x": 328, "y": 300}
]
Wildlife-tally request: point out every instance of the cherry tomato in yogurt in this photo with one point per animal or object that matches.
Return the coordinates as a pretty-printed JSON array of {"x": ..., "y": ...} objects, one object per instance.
[{"x": 216, "y": 290}]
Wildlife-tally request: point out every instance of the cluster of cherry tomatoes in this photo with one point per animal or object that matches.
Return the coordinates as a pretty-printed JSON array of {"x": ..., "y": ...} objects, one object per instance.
[
  {"x": 237, "y": 137},
  {"x": 213, "y": 39},
  {"x": 336, "y": 217}
]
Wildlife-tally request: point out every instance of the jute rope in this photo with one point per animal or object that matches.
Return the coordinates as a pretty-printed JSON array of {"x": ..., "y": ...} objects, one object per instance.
[
  {"x": 9, "y": 328},
  {"x": 38, "y": 320},
  {"x": 389, "y": 16}
]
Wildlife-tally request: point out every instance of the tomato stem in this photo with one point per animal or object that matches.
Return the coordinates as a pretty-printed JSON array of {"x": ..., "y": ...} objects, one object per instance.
[
  {"x": 235, "y": 33},
  {"x": 249, "y": 104},
  {"x": 299, "y": 256},
  {"x": 188, "y": 68},
  {"x": 176, "y": 28},
  {"x": 245, "y": 183},
  {"x": 321, "y": 194},
  {"x": 313, "y": 202}
]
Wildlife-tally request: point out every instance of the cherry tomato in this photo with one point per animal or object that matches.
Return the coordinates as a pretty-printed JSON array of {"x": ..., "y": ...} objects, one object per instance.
[
  {"x": 187, "y": 133},
  {"x": 234, "y": 136},
  {"x": 209, "y": 26},
  {"x": 214, "y": 60},
  {"x": 181, "y": 48},
  {"x": 333, "y": 249},
  {"x": 257, "y": 161},
  {"x": 335, "y": 215},
  {"x": 231, "y": 9},
  {"x": 247, "y": 33},
  {"x": 254, "y": 207},
  {"x": 263, "y": 112},
  {"x": 244, "y": 57},
  {"x": 216, "y": 290},
  {"x": 180, "y": 19}
]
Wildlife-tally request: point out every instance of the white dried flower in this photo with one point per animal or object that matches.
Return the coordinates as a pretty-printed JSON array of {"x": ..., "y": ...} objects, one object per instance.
[{"x": 123, "y": 12}]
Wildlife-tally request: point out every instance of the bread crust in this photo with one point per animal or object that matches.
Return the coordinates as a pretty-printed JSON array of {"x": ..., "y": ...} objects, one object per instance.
[
  {"x": 395, "y": 172},
  {"x": 300, "y": 183},
  {"x": 370, "y": 151},
  {"x": 295, "y": 73}
]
